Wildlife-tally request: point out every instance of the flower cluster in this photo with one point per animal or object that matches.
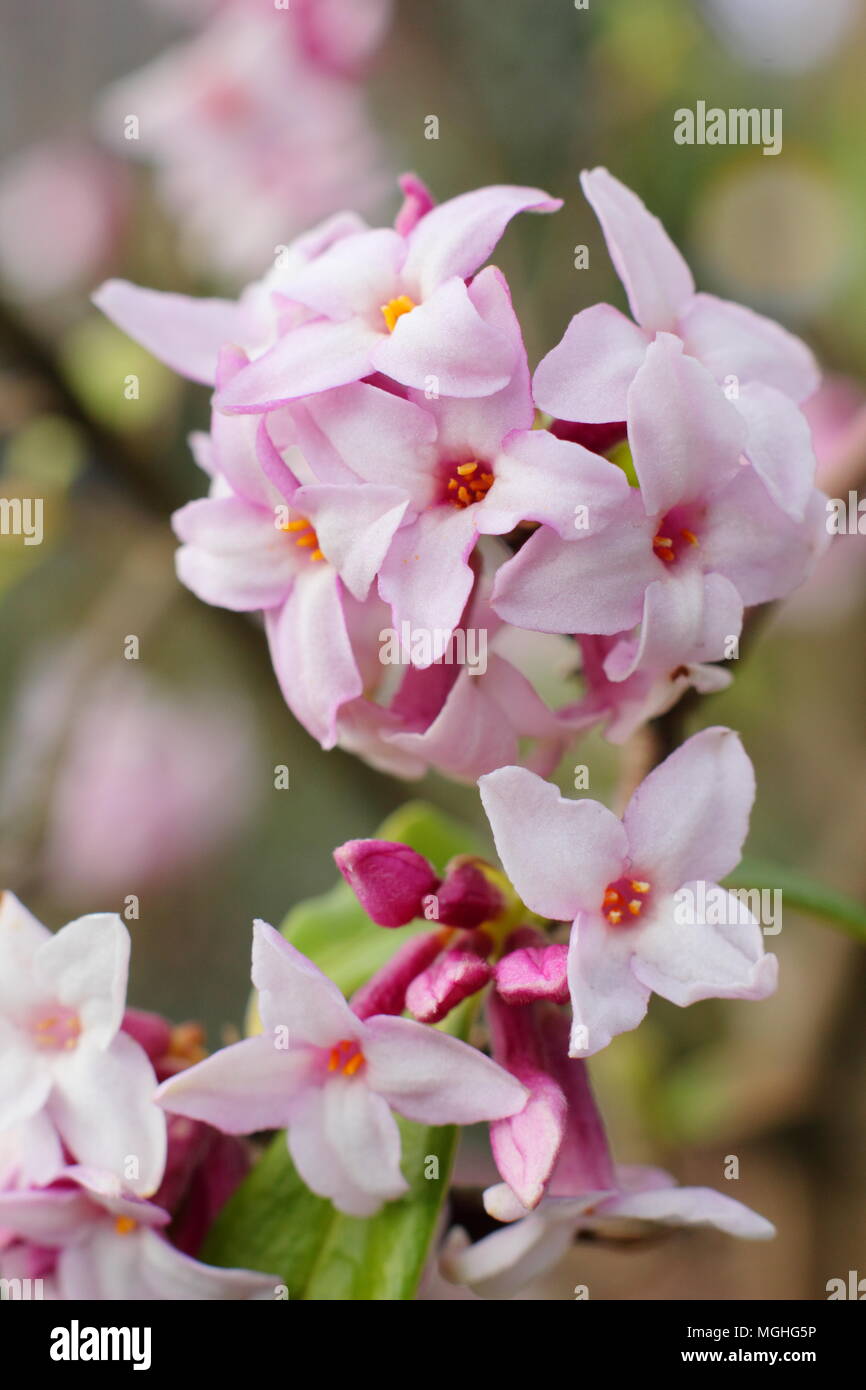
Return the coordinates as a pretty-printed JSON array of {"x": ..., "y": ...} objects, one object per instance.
[
  {"x": 331, "y": 1071},
  {"x": 99, "y": 1198},
  {"x": 383, "y": 480}
]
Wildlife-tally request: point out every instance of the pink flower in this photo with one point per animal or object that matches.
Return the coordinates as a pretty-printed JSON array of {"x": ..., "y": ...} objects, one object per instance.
[
  {"x": 586, "y": 1192},
  {"x": 59, "y": 183},
  {"x": 626, "y": 884},
  {"x": 397, "y": 304},
  {"x": 625, "y": 705},
  {"x": 253, "y": 127},
  {"x": 90, "y": 1239},
  {"x": 126, "y": 777},
  {"x": 333, "y": 1080},
  {"x": 462, "y": 469},
  {"x": 700, "y": 539},
  {"x": 70, "y": 1077},
  {"x": 766, "y": 370},
  {"x": 459, "y": 718}
]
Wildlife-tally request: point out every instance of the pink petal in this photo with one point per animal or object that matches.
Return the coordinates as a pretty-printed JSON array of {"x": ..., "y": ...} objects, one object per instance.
[
  {"x": 360, "y": 1127},
  {"x": 593, "y": 584},
  {"x": 355, "y": 526},
  {"x": 380, "y": 437},
  {"x": 235, "y": 555},
  {"x": 166, "y": 1273},
  {"x": 354, "y": 276},
  {"x": 445, "y": 345},
  {"x": 428, "y": 1076},
  {"x": 313, "y": 357},
  {"x": 243, "y": 1088},
  {"x": 779, "y": 447},
  {"x": 559, "y": 854},
  {"x": 457, "y": 237},
  {"x": 84, "y": 967},
  {"x": 686, "y": 437},
  {"x": 733, "y": 341},
  {"x": 692, "y": 1206},
  {"x": 525, "y": 1146},
  {"x": 689, "y": 818},
  {"x": 102, "y": 1105},
  {"x": 312, "y": 653},
  {"x": 755, "y": 545},
  {"x": 587, "y": 375},
  {"x": 686, "y": 962},
  {"x": 185, "y": 333},
  {"x": 607, "y": 998},
  {"x": 503, "y": 1263},
  {"x": 425, "y": 576},
  {"x": 21, "y": 936},
  {"x": 657, "y": 279},
  {"x": 295, "y": 994},
  {"x": 541, "y": 478}
]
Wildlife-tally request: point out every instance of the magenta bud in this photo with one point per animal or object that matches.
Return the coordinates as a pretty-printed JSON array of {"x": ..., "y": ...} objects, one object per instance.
[
  {"x": 389, "y": 880},
  {"x": 467, "y": 898},
  {"x": 459, "y": 971}
]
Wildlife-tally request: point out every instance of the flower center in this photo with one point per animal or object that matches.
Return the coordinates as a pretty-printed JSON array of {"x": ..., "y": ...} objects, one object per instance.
[
  {"x": 347, "y": 1057},
  {"x": 58, "y": 1031},
  {"x": 304, "y": 536},
  {"x": 467, "y": 483},
  {"x": 125, "y": 1225},
  {"x": 625, "y": 900},
  {"x": 675, "y": 536},
  {"x": 395, "y": 309}
]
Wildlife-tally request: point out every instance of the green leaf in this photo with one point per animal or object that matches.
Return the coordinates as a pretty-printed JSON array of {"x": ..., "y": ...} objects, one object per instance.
[
  {"x": 803, "y": 894},
  {"x": 273, "y": 1223}
]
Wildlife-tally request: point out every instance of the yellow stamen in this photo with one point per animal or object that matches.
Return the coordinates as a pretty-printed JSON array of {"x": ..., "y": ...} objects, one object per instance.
[
  {"x": 614, "y": 917},
  {"x": 300, "y": 524},
  {"x": 690, "y": 537},
  {"x": 635, "y": 906},
  {"x": 465, "y": 469},
  {"x": 353, "y": 1064},
  {"x": 395, "y": 309},
  {"x": 638, "y": 886},
  {"x": 317, "y": 555},
  {"x": 125, "y": 1225}
]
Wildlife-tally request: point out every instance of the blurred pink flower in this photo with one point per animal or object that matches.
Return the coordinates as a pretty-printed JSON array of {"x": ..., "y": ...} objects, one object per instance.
[
  {"x": 62, "y": 209},
  {"x": 136, "y": 774},
  {"x": 252, "y": 137}
]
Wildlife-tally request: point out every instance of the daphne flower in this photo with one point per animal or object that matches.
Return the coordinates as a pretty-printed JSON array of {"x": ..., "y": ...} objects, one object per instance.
[
  {"x": 396, "y": 304},
  {"x": 587, "y": 1194},
  {"x": 333, "y": 1080},
  {"x": 698, "y": 540},
  {"x": 766, "y": 370},
  {"x": 623, "y": 706},
  {"x": 463, "y": 468},
  {"x": 70, "y": 1077},
  {"x": 90, "y": 1239},
  {"x": 617, "y": 881}
]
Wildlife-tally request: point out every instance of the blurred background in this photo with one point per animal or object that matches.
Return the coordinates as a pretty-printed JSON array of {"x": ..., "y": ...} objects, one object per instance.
[{"x": 140, "y": 730}]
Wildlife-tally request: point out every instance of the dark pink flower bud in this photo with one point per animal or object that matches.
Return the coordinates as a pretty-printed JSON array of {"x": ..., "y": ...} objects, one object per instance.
[
  {"x": 534, "y": 972},
  {"x": 459, "y": 971},
  {"x": 466, "y": 897},
  {"x": 389, "y": 880},
  {"x": 385, "y": 993}
]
